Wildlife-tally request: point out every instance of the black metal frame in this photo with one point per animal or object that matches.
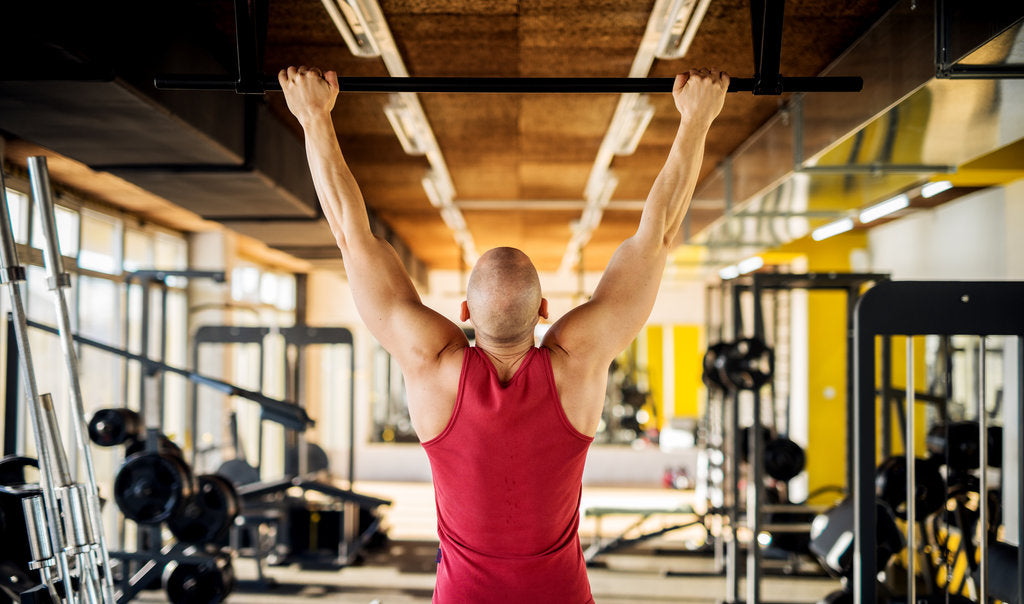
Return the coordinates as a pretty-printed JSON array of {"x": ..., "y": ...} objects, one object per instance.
[
  {"x": 948, "y": 68},
  {"x": 920, "y": 308},
  {"x": 11, "y": 381},
  {"x": 298, "y": 337},
  {"x": 766, "y": 21},
  {"x": 852, "y": 284}
]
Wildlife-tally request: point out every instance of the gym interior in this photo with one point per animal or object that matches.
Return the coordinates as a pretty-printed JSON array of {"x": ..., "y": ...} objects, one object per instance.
[{"x": 194, "y": 412}]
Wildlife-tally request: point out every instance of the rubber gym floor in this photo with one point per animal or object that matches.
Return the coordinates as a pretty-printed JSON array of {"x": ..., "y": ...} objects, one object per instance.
[{"x": 403, "y": 573}]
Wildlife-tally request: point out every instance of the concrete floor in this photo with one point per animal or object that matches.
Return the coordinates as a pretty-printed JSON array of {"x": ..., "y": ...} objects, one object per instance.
[{"x": 661, "y": 570}]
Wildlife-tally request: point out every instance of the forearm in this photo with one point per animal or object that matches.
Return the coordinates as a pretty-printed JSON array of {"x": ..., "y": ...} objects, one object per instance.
[
  {"x": 670, "y": 195},
  {"x": 336, "y": 188},
  {"x": 374, "y": 271}
]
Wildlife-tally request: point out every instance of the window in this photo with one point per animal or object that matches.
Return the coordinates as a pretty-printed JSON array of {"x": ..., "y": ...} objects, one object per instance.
[
  {"x": 100, "y": 249},
  {"x": 101, "y": 243},
  {"x": 17, "y": 204}
]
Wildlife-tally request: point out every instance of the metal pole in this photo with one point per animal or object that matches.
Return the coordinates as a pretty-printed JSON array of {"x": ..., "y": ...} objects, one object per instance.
[
  {"x": 58, "y": 280},
  {"x": 13, "y": 275},
  {"x": 503, "y": 85},
  {"x": 911, "y": 477},
  {"x": 732, "y": 560},
  {"x": 755, "y": 486},
  {"x": 982, "y": 476},
  {"x": 1020, "y": 465},
  {"x": 886, "y": 390}
]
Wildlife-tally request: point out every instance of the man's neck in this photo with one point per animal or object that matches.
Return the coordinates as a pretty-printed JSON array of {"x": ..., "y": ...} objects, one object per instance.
[{"x": 505, "y": 356}]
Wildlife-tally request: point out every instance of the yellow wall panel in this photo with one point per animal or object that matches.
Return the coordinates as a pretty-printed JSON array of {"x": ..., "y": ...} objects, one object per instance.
[{"x": 689, "y": 354}]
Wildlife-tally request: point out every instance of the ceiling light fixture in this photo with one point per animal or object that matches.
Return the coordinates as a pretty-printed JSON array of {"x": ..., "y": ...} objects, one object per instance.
[
  {"x": 832, "y": 229},
  {"x": 730, "y": 272},
  {"x": 350, "y": 19},
  {"x": 407, "y": 126},
  {"x": 630, "y": 125},
  {"x": 884, "y": 209},
  {"x": 934, "y": 188},
  {"x": 750, "y": 264},
  {"x": 681, "y": 26},
  {"x": 438, "y": 190}
]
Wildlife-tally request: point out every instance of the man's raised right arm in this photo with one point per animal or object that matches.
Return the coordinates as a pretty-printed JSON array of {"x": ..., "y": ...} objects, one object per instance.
[{"x": 384, "y": 294}]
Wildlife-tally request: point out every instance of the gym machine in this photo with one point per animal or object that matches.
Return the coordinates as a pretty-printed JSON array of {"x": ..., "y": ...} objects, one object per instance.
[
  {"x": 60, "y": 515},
  {"x": 946, "y": 309},
  {"x": 328, "y": 534}
]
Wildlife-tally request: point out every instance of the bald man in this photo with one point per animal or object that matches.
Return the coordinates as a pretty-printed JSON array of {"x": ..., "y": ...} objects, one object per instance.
[{"x": 506, "y": 425}]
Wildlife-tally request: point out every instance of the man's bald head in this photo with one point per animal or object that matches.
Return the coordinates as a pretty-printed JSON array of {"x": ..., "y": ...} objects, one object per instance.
[{"x": 503, "y": 295}]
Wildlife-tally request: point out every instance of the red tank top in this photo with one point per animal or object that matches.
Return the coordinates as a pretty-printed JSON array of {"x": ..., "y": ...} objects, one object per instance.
[{"x": 508, "y": 473}]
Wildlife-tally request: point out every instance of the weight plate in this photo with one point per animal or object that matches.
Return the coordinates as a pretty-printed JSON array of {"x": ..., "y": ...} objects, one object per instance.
[
  {"x": 956, "y": 445},
  {"x": 205, "y": 582},
  {"x": 151, "y": 487},
  {"x": 710, "y": 375},
  {"x": 891, "y": 486},
  {"x": 783, "y": 459},
  {"x": 111, "y": 427},
  {"x": 747, "y": 365},
  {"x": 208, "y": 514},
  {"x": 164, "y": 445}
]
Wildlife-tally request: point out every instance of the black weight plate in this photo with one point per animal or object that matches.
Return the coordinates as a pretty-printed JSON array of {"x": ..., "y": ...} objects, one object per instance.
[
  {"x": 12, "y": 469},
  {"x": 709, "y": 374},
  {"x": 783, "y": 459},
  {"x": 206, "y": 582},
  {"x": 891, "y": 486},
  {"x": 164, "y": 445},
  {"x": 956, "y": 444},
  {"x": 207, "y": 516},
  {"x": 150, "y": 487},
  {"x": 748, "y": 365},
  {"x": 111, "y": 427}
]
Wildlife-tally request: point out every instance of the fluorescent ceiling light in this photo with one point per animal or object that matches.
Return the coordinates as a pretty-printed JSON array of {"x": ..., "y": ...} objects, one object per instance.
[
  {"x": 681, "y": 26},
  {"x": 729, "y": 272},
  {"x": 884, "y": 209},
  {"x": 409, "y": 129},
  {"x": 630, "y": 125},
  {"x": 750, "y": 264},
  {"x": 934, "y": 188},
  {"x": 832, "y": 229},
  {"x": 354, "y": 27},
  {"x": 438, "y": 192}
]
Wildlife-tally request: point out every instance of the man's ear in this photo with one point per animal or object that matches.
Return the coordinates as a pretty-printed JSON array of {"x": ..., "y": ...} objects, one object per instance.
[
  {"x": 464, "y": 312},
  {"x": 543, "y": 312}
]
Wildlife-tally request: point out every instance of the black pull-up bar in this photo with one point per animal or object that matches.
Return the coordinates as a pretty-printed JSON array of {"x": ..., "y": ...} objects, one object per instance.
[{"x": 506, "y": 85}]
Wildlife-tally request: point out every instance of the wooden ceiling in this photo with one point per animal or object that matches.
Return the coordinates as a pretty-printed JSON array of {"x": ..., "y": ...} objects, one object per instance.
[{"x": 533, "y": 148}]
